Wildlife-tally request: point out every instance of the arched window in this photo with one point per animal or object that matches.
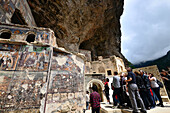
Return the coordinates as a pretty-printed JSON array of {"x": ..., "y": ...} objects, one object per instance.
[
  {"x": 30, "y": 38},
  {"x": 5, "y": 35}
]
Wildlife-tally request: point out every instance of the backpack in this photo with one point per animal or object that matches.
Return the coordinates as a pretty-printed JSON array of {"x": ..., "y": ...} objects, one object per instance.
[{"x": 159, "y": 83}]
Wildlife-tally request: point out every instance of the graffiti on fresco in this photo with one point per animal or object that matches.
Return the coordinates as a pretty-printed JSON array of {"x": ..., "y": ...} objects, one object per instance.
[
  {"x": 20, "y": 89},
  {"x": 66, "y": 86}
]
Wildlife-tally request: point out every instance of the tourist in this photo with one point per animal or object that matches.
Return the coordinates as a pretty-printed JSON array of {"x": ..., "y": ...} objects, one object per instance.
[
  {"x": 123, "y": 94},
  {"x": 117, "y": 88},
  {"x": 142, "y": 90},
  {"x": 166, "y": 78},
  {"x": 106, "y": 84},
  {"x": 87, "y": 100},
  {"x": 95, "y": 100},
  {"x": 133, "y": 92},
  {"x": 148, "y": 89},
  {"x": 156, "y": 88}
]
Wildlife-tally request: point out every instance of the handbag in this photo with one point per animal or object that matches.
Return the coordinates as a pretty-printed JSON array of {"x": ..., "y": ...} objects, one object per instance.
[{"x": 159, "y": 83}]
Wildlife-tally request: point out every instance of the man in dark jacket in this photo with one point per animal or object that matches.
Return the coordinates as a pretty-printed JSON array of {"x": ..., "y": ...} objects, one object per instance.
[
  {"x": 142, "y": 90},
  {"x": 147, "y": 83}
]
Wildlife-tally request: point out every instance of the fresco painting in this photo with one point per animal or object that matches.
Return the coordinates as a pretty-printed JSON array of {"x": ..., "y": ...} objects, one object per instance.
[
  {"x": 39, "y": 76},
  {"x": 65, "y": 92},
  {"x": 21, "y": 89},
  {"x": 34, "y": 58}
]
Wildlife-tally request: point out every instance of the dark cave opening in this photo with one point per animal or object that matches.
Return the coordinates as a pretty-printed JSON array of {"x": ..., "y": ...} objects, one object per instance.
[{"x": 17, "y": 18}]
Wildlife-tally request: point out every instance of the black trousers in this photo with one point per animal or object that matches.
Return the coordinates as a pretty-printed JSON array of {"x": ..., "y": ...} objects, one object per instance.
[
  {"x": 96, "y": 110},
  {"x": 143, "y": 94},
  {"x": 157, "y": 92},
  {"x": 117, "y": 92},
  {"x": 107, "y": 95}
]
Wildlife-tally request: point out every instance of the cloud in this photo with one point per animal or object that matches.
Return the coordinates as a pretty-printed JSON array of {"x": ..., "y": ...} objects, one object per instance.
[{"x": 145, "y": 29}]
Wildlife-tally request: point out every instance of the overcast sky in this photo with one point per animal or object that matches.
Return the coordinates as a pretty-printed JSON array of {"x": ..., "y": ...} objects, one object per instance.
[{"x": 145, "y": 26}]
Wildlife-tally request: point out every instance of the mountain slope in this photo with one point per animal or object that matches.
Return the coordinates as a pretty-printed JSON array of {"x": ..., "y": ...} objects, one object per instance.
[{"x": 162, "y": 62}]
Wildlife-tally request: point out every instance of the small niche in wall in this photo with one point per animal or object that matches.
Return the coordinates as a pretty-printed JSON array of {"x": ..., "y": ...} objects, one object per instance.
[
  {"x": 109, "y": 72},
  {"x": 30, "y": 38},
  {"x": 5, "y": 35}
]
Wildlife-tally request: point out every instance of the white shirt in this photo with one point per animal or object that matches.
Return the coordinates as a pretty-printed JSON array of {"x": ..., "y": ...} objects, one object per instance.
[
  {"x": 116, "y": 81},
  {"x": 87, "y": 98},
  {"x": 154, "y": 83}
]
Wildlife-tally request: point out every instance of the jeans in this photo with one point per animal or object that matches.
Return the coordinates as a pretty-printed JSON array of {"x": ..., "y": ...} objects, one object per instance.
[
  {"x": 87, "y": 105},
  {"x": 96, "y": 110},
  {"x": 157, "y": 92},
  {"x": 150, "y": 98}
]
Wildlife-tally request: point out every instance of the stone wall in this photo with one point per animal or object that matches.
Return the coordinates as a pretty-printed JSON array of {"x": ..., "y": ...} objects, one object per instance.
[
  {"x": 8, "y": 8},
  {"x": 89, "y": 77},
  {"x": 37, "y": 77},
  {"x": 105, "y": 66},
  {"x": 87, "y": 54}
]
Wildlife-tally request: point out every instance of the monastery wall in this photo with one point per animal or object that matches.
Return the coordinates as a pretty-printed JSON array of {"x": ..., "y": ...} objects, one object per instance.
[{"x": 38, "y": 76}]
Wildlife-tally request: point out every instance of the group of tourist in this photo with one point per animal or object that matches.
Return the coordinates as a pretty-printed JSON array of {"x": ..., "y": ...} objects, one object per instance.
[{"x": 132, "y": 90}]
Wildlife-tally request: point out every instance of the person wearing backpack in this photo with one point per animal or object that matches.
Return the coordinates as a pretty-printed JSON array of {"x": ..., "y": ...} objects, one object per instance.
[
  {"x": 148, "y": 88},
  {"x": 155, "y": 87}
]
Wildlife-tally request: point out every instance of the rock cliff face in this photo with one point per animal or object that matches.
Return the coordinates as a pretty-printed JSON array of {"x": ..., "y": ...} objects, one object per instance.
[{"x": 82, "y": 24}]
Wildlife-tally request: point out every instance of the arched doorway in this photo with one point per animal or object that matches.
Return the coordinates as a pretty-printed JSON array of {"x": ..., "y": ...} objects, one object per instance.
[{"x": 100, "y": 87}]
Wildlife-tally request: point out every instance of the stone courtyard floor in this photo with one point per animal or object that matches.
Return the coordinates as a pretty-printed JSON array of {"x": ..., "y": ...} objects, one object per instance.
[{"x": 107, "y": 108}]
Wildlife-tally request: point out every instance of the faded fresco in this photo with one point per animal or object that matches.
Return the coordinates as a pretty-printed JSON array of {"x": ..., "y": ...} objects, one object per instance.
[
  {"x": 45, "y": 36},
  {"x": 21, "y": 89},
  {"x": 66, "y": 87},
  {"x": 9, "y": 55},
  {"x": 39, "y": 77},
  {"x": 23, "y": 79},
  {"x": 23, "y": 75},
  {"x": 34, "y": 58}
]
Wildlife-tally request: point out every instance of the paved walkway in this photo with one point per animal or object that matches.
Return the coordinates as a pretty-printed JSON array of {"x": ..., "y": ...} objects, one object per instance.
[{"x": 107, "y": 108}]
